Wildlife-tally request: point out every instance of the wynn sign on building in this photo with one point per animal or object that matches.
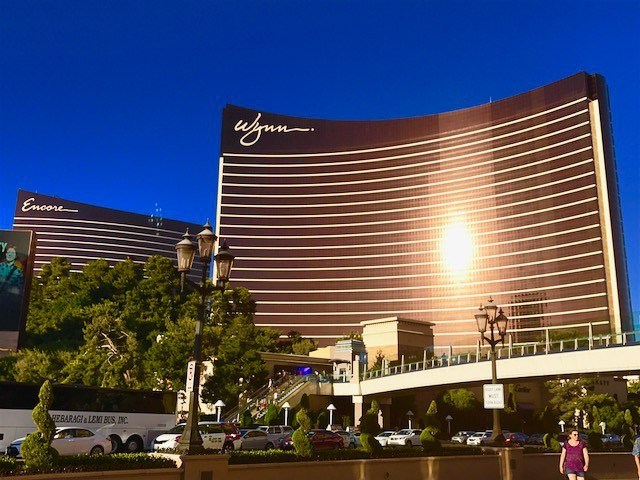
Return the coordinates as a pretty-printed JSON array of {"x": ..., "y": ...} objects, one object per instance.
[{"x": 339, "y": 222}]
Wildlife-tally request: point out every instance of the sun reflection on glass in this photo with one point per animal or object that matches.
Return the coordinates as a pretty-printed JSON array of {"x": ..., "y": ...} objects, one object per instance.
[{"x": 457, "y": 247}]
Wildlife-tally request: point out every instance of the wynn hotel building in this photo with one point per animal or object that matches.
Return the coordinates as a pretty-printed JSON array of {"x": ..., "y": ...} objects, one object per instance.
[{"x": 335, "y": 223}]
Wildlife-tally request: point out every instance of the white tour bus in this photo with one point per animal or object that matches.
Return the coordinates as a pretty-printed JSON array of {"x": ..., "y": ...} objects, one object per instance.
[{"x": 132, "y": 418}]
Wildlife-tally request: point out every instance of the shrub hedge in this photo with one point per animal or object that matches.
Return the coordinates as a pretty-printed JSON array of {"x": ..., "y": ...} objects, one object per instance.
[{"x": 88, "y": 463}]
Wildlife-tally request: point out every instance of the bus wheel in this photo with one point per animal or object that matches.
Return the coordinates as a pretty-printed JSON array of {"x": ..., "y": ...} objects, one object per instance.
[
  {"x": 97, "y": 450},
  {"x": 116, "y": 443},
  {"x": 134, "y": 444}
]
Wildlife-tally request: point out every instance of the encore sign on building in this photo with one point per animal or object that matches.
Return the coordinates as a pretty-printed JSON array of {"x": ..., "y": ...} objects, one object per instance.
[{"x": 339, "y": 222}]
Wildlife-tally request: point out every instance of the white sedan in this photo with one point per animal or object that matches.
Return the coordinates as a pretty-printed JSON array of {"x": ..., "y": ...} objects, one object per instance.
[
  {"x": 383, "y": 437},
  {"x": 71, "y": 441},
  {"x": 407, "y": 437}
]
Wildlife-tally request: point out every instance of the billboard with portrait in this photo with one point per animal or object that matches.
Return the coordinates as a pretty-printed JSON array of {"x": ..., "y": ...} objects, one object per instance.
[{"x": 16, "y": 264}]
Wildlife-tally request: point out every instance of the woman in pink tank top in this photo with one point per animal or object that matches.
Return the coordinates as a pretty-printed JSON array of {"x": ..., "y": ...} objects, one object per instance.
[{"x": 574, "y": 459}]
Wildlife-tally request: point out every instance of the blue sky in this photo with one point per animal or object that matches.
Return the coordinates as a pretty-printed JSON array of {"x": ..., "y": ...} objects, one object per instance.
[{"x": 101, "y": 101}]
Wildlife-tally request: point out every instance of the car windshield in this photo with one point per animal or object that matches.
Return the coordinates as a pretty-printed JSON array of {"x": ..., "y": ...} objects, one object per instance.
[
  {"x": 404, "y": 432},
  {"x": 177, "y": 429},
  {"x": 385, "y": 434}
]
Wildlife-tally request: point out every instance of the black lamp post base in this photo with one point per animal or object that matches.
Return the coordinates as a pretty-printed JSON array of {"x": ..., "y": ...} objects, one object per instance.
[{"x": 497, "y": 441}]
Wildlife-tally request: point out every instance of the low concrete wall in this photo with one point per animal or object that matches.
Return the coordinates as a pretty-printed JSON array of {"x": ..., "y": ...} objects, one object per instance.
[
  {"x": 602, "y": 466},
  {"x": 510, "y": 464},
  {"x": 148, "y": 474},
  {"x": 427, "y": 468}
]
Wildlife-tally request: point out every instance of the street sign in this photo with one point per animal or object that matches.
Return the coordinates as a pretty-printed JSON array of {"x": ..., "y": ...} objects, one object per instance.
[
  {"x": 493, "y": 395},
  {"x": 191, "y": 368}
]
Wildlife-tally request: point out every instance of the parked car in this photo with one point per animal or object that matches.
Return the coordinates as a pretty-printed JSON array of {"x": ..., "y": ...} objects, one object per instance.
[
  {"x": 535, "y": 439},
  {"x": 383, "y": 437},
  {"x": 71, "y": 441},
  {"x": 407, "y": 437},
  {"x": 462, "y": 435},
  {"x": 611, "y": 439},
  {"x": 516, "y": 439},
  {"x": 482, "y": 438},
  {"x": 285, "y": 443},
  {"x": 349, "y": 438},
  {"x": 215, "y": 436},
  {"x": 475, "y": 439},
  {"x": 254, "y": 440},
  {"x": 325, "y": 439},
  {"x": 276, "y": 432}
]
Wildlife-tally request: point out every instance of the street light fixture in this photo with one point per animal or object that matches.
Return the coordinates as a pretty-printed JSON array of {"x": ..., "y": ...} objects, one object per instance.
[
  {"x": 219, "y": 404},
  {"x": 191, "y": 442},
  {"x": 332, "y": 408},
  {"x": 286, "y": 407},
  {"x": 486, "y": 316}
]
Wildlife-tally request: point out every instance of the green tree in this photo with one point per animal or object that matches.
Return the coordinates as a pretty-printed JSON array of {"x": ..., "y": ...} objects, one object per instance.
[
  {"x": 303, "y": 346},
  {"x": 323, "y": 419},
  {"x": 238, "y": 356},
  {"x": 36, "y": 448},
  {"x": 36, "y": 366},
  {"x": 110, "y": 356},
  {"x": 272, "y": 415}
]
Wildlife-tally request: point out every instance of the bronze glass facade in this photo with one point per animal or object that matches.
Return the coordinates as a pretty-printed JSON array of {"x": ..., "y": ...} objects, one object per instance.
[
  {"x": 338, "y": 222},
  {"x": 80, "y": 232}
]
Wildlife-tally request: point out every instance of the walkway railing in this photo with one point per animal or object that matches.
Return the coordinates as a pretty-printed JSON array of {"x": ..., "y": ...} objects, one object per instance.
[{"x": 510, "y": 350}]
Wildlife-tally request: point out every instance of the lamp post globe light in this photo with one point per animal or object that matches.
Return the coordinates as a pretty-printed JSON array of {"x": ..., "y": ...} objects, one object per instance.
[
  {"x": 486, "y": 317},
  {"x": 190, "y": 441}
]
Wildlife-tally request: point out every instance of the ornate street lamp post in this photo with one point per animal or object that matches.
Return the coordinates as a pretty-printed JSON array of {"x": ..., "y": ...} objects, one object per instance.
[
  {"x": 191, "y": 442},
  {"x": 486, "y": 315}
]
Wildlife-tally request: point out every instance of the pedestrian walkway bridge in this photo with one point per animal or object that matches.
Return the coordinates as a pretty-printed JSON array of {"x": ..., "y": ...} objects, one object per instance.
[{"x": 591, "y": 355}]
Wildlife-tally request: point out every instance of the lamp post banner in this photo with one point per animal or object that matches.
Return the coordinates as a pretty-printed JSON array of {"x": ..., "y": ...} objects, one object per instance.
[{"x": 493, "y": 394}]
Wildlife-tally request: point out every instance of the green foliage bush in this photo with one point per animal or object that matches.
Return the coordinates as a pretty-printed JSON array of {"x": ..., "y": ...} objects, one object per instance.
[
  {"x": 89, "y": 463},
  {"x": 430, "y": 443},
  {"x": 36, "y": 448},
  {"x": 369, "y": 428},
  {"x": 595, "y": 441},
  {"x": 301, "y": 442},
  {"x": 550, "y": 442}
]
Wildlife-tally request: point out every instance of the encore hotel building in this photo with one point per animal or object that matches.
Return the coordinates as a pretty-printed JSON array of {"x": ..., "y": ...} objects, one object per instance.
[
  {"x": 339, "y": 222},
  {"x": 80, "y": 232}
]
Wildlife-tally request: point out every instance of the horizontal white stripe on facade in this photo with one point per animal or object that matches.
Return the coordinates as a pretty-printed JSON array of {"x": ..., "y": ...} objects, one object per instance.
[
  {"x": 397, "y": 289},
  {"x": 412, "y": 230},
  {"x": 428, "y": 287},
  {"x": 47, "y": 251},
  {"x": 522, "y": 330},
  {"x": 401, "y": 254},
  {"x": 390, "y": 179},
  {"x": 412, "y": 219},
  {"x": 413, "y": 144},
  {"x": 448, "y": 309},
  {"x": 414, "y": 264},
  {"x": 413, "y": 155},
  {"x": 90, "y": 236},
  {"x": 414, "y": 187},
  {"x": 386, "y": 313},
  {"x": 91, "y": 230},
  {"x": 96, "y": 222},
  {"x": 92, "y": 243},
  {"x": 409, "y": 242},
  {"x": 453, "y": 285},
  {"x": 407, "y": 199},
  {"x": 419, "y": 275}
]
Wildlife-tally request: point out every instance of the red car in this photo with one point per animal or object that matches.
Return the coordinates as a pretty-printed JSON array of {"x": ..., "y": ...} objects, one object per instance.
[
  {"x": 320, "y": 439},
  {"x": 325, "y": 439}
]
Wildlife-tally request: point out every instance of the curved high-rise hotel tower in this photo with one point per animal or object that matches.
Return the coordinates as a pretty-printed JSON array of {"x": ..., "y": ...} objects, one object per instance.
[{"x": 339, "y": 222}]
